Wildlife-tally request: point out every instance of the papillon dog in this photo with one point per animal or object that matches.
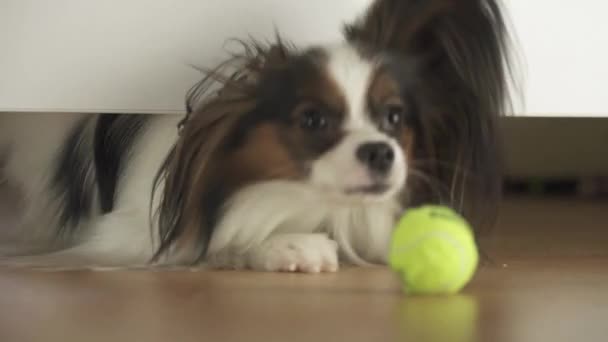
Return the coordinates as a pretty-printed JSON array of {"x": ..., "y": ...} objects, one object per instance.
[{"x": 288, "y": 159}]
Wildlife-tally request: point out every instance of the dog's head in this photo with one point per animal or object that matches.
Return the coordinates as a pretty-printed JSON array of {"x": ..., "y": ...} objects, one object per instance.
[{"x": 403, "y": 111}]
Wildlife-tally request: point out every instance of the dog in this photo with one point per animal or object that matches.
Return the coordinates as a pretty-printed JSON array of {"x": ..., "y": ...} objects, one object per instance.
[{"x": 288, "y": 159}]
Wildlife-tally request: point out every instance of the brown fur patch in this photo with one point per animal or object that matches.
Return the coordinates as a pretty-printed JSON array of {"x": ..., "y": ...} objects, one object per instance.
[
  {"x": 316, "y": 91},
  {"x": 406, "y": 140},
  {"x": 385, "y": 91},
  {"x": 262, "y": 156},
  {"x": 322, "y": 88}
]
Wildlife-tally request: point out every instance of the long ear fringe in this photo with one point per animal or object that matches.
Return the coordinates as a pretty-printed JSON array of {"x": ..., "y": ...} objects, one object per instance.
[
  {"x": 477, "y": 44},
  {"x": 473, "y": 34},
  {"x": 214, "y": 105}
]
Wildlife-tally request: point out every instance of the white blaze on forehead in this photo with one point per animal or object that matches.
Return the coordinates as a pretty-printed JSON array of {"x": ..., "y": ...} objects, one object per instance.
[
  {"x": 339, "y": 170},
  {"x": 353, "y": 75}
]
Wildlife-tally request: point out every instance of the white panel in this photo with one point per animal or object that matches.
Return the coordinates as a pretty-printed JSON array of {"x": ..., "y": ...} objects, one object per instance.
[
  {"x": 133, "y": 55},
  {"x": 565, "y": 56}
]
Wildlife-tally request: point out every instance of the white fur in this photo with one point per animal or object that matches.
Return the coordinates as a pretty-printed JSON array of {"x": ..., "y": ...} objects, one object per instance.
[
  {"x": 353, "y": 75},
  {"x": 362, "y": 229},
  {"x": 273, "y": 226},
  {"x": 340, "y": 170},
  {"x": 310, "y": 253}
]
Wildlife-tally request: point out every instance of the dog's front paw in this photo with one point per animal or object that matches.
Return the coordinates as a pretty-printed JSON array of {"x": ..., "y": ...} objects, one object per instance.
[{"x": 308, "y": 253}]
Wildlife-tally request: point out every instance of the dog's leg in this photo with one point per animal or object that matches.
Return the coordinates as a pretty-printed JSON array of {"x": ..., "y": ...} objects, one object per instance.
[
  {"x": 308, "y": 253},
  {"x": 287, "y": 252}
]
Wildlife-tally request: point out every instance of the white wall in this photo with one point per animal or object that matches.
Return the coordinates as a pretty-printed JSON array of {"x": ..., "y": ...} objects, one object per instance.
[
  {"x": 133, "y": 55},
  {"x": 565, "y": 49}
]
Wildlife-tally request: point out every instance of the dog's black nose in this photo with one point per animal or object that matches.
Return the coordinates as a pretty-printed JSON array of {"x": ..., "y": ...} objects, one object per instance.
[{"x": 377, "y": 156}]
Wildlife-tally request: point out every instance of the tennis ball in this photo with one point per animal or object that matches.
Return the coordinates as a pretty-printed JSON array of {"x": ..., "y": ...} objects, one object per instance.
[{"x": 434, "y": 251}]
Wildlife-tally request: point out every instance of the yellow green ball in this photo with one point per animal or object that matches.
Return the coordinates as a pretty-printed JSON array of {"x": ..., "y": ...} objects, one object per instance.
[{"x": 434, "y": 251}]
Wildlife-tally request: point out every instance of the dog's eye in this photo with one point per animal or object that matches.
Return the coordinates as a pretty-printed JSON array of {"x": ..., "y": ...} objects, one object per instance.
[
  {"x": 313, "y": 119},
  {"x": 394, "y": 115}
]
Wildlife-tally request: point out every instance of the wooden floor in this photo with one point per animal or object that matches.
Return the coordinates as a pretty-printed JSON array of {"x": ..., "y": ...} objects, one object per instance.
[{"x": 545, "y": 279}]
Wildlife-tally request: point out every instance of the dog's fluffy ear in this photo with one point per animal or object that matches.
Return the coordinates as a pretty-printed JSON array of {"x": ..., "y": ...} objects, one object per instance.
[
  {"x": 465, "y": 37},
  {"x": 189, "y": 200},
  {"x": 461, "y": 49},
  {"x": 394, "y": 24}
]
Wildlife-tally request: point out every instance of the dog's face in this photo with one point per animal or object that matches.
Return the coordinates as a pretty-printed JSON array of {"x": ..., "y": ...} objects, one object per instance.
[
  {"x": 331, "y": 119},
  {"x": 403, "y": 111},
  {"x": 375, "y": 139}
]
